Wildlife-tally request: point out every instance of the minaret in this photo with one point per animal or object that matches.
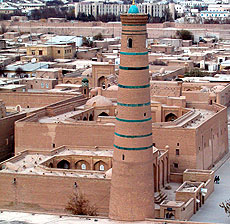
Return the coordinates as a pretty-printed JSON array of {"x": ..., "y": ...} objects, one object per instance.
[{"x": 132, "y": 185}]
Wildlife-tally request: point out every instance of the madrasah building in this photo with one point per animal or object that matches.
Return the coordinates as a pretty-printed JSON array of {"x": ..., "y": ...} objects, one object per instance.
[{"x": 120, "y": 151}]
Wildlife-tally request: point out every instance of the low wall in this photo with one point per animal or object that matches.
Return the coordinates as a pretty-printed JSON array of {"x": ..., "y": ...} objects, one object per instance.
[
  {"x": 187, "y": 213},
  {"x": 166, "y": 221},
  {"x": 50, "y": 193},
  {"x": 176, "y": 177}
]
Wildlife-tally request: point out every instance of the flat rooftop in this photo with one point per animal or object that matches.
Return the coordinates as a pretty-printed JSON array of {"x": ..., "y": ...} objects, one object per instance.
[{"x": 31, "y": 163}]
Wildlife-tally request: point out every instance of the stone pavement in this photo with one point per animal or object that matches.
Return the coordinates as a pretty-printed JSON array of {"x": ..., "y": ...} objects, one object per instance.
[{"x": 211, "y": 212}]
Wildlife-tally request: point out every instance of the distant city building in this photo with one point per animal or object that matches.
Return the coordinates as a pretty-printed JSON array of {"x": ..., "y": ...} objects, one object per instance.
[
  {"x": 7, "y": 9},
  {"x": 214, "y": 14},
  {"x": 98, "y": 9}
]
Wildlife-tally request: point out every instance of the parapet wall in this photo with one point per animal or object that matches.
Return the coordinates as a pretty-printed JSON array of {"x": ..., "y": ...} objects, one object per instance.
[
  {"x": 32, "y": 100},
  {"x": 51, "y": 193},
  {"x": 155, "y": 30}
]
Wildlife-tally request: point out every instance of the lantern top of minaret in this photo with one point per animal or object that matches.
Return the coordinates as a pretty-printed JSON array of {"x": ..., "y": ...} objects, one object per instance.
[{"x": 133, "y": 9}]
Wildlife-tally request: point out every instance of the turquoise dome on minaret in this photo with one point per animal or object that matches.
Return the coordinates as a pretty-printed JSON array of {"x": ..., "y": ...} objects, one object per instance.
[{"x": 133, "y": 9}]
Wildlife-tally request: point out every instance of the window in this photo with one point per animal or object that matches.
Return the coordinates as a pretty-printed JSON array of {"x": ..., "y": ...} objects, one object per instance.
[
  {"x": 83, "y": 166},
  {"x": 178, "y": 144},
  {"x": 102, "y": 168},
  {"x": 42, "y": 85},
  {"x": 175, "y": 165},
  {"x": 53, "y": 145},
  {"x": 130, "y": 43},
  {"x": 33, "y": 52},
  {"x": 59, "y": 52},
  {"x": 47, "y": 85},
  {"x": 177, "y": 152},
  {"x": 144, "y": 114},
  {"x": 123, "y": 157},
  {"x": 40, "y": 52}
]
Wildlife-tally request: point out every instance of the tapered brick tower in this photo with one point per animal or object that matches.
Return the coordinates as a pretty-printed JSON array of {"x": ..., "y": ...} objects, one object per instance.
[{"x": 132, "y": 186}]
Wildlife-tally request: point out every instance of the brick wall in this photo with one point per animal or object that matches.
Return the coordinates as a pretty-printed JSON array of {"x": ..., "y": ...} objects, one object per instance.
[
  {"x": 50, "y": 193},
  {"x": 7, "y": 135},
  {"x": 33, "y": 100}
]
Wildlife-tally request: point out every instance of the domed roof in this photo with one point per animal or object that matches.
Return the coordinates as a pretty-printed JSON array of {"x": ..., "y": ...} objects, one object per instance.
[
  {"x": 162, "y": 70},
  {"x": 87, "y": 72},
  {"x": 218, "y": 88},
  {"x": 133, "y": 9},
  {"x": 99, "y": 101},
  {"x": 85, "y": 80},
  {"x": 113, "y": 88},
  {"x": 204, "y": 89},
  {"x": 212, "y": 94}
]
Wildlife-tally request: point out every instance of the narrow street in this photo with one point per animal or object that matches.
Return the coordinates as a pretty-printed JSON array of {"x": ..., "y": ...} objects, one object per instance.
[{"x": 211, "y": 212}]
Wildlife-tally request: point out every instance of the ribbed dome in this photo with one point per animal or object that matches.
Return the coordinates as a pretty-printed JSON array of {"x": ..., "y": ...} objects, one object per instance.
[
  {"x": 218, "y": 88},
  {"x": 113, "y": 88},
  {"x": 99, "y": 101},
  {"x": 133, "y": 9}
]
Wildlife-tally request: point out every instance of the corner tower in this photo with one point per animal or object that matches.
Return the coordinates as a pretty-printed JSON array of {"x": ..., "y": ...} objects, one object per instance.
[{"x": 132, "y": 186}]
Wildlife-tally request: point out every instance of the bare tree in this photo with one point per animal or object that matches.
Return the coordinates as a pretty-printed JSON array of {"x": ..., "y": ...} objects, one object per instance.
[
  {"x": 19, "y": 71},
  {"x": 79, "y": 205},
  {"x": 226, "y": 206}
]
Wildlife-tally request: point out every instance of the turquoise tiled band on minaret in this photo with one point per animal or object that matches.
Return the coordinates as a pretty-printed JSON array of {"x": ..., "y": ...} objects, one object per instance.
[
  {"x": 139, "y": 148},
  {"x": 133, "y": 68},
  {"x": 134, "y": 53},
  {"x": 132, "y": 136},
  {"x": 133, "y": 105},
  {"x": 133, "y": 87},
  {"x": 137, "y": 121}
]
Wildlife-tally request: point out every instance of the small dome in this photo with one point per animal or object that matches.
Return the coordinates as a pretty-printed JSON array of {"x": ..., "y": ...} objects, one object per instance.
[
  {"x": 99, "y": 101},
  {"x": 108, "y": 173},
  {"x": 87, "y": 72},
  {"x": 113, "y": 88},
  {"x": 85, "y": 80},
  {"x": 212, "y": 94},
  {"x": 94, "y": 91},
  {"x": 162, "y": 70},
  {"x": 204, "y": 89},
  {"x": 218, "y": 88},
  {"x": 133, "y": 9}
]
